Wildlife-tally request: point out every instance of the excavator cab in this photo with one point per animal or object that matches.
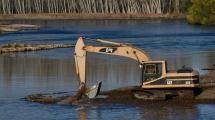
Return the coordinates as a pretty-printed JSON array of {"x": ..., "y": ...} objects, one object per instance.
[
  {"x": 151, "y": 71},
  {"x": 156, "y": 76}
]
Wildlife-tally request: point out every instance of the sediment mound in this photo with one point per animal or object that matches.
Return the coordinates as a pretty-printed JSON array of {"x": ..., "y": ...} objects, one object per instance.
[
  {"x": 208, "y": 86},
  {"x": 125, "y": 95},
  {"x": 17, "y": 27},
  {"x": 135, "y": 95},
  {"x": 6, "y": 48}
]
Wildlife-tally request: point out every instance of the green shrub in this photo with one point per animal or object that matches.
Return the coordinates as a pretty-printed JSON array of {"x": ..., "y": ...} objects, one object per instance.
[{"x": 202, "y": 12}]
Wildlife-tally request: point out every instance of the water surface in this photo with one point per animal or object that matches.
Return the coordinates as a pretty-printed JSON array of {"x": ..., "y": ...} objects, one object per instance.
[{"x": 52, "y": 71}]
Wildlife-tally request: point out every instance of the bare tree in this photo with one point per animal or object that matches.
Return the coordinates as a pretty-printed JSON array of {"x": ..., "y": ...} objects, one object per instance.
[{"x": 91, "y": 6}]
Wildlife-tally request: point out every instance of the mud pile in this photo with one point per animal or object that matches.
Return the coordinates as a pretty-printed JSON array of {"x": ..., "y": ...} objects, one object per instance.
[
  {"x": 17, "y": 27},
  {"x": 121, "y": 95},
  {"x": 135, "y": 95},
  {"x": 14, "y": 47},
  {"x": 208, "y": 86}
]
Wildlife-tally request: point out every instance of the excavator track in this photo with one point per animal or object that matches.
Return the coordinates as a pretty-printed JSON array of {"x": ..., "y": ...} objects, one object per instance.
[{"x": 165, "y": 94}]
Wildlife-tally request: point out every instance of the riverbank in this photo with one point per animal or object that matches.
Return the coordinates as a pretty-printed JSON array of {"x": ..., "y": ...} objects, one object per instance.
[{"x": 58, "y": 16}]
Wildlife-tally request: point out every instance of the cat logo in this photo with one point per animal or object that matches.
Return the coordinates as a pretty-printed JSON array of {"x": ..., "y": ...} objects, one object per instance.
[{"x": 108, "y": 50}]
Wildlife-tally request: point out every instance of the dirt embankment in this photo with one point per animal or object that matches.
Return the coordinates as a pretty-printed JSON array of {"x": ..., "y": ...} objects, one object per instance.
[
  {"x": 208, "y": 85},
  {"x": 136, "y": 95},
  {"x": 17, "y": 27},
  {"x": 7, "y": 48}
]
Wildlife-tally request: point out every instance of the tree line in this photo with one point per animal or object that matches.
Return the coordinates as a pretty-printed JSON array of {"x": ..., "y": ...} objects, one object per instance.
[
  {"x": 8, "y": 7},
  {"x": 202, "y": 12}
]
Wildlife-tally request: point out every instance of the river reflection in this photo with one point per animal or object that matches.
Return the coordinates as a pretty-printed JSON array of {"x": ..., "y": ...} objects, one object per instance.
[
  {"x": 168, "y": 112},
  {"x": 155, "y": 111},
  {"x": 21, "y": 75}
]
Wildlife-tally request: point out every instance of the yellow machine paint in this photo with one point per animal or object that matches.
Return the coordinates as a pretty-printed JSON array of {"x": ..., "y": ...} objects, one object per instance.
[{"x": 154, "y": 73}]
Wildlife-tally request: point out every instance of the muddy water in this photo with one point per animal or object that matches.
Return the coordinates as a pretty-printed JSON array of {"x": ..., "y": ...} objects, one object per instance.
[{"x": 53, "y": 70}]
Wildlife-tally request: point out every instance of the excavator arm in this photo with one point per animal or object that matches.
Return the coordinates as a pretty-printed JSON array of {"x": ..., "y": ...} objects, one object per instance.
[{"x": 111, "y": 48}]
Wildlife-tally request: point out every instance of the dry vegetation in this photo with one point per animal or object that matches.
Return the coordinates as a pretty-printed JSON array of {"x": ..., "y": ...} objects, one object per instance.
[{"x": 8, "y": 7}]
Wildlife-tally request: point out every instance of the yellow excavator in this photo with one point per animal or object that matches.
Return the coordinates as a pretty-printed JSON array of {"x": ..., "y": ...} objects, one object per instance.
[{"x": 155, "y": 75}]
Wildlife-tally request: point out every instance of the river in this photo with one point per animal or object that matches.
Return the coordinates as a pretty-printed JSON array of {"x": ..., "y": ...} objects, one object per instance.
[{"x": 53, "y": 70}]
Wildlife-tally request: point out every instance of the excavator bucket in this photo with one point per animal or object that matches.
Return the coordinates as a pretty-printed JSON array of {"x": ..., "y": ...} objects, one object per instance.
[{"x": 93, "y": 91}]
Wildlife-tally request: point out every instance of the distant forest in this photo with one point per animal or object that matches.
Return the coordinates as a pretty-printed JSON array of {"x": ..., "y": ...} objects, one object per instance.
[{"x": 8, "y": 7}]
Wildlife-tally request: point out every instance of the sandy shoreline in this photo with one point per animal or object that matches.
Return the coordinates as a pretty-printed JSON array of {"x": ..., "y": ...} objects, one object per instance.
[
  {"x": 8, "y": 48},
  {"x": 90, "y": 16}
]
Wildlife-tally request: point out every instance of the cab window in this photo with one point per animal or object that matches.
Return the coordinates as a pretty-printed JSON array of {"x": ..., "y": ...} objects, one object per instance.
[{"x": 150, "y": 69}]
